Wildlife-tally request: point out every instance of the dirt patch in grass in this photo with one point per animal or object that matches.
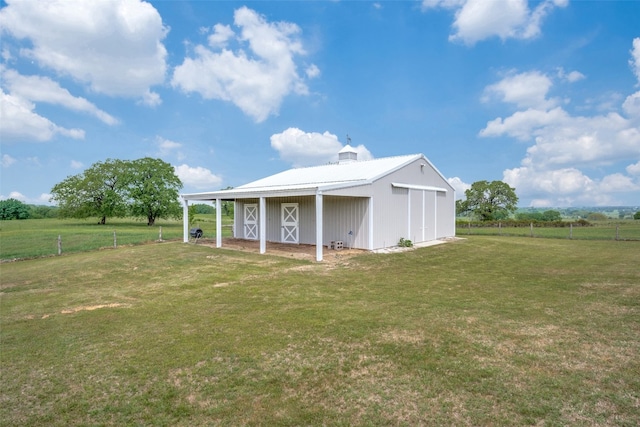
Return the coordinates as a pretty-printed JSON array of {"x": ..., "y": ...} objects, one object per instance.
[
  {"x": 330, "y": 257},
  {"x": 84, "y": 308}
]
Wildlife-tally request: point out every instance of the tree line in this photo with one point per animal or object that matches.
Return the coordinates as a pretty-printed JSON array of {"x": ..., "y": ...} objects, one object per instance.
[{"x": 145, "y": 188}]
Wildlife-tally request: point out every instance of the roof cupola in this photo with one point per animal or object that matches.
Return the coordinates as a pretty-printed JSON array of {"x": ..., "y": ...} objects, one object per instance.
[{"x": 347, "y": 155}]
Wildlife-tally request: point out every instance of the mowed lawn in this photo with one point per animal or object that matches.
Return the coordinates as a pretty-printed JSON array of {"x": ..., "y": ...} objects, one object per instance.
[{"x": 482, "y": 331}]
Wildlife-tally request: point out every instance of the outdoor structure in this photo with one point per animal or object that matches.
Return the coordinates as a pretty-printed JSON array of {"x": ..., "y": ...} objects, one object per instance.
[{"x": 368, "y": 204}]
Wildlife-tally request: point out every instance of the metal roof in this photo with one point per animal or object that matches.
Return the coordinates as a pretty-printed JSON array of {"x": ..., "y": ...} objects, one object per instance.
[{"x": 309, "y": 180}]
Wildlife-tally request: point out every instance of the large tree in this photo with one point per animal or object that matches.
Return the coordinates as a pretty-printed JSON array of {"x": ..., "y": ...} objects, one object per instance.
[
  {"x": 153, "y": 189},
  {"x": 99, "y": 191},
  {"x": 489, "y": 200},
  {"x": 13, "y": 209}
]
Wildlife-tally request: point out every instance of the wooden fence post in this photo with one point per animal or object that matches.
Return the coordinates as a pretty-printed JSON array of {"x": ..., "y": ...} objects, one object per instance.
[
  {"x": 160, "y": 238},
  {"x": 570, "y": 231},
  {"x": 500, "y": 228},
  {"x": 59, "y": 244},
  {"x": 531, "y": 227},
  {"x": 115, "y": 242},
  {"x": 617, "y": 232}
]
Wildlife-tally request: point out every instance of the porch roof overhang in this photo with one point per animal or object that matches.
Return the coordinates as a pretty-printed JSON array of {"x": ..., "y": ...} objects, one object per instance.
[{"x": 275, "y": 191}]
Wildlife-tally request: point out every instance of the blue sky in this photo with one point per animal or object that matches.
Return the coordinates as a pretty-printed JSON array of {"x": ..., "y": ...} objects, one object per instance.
[{"x": 543, "y": 95}]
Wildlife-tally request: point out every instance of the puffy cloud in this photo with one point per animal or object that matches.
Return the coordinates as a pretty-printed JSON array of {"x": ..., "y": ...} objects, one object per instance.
[
  {"x": 572, "y": 76},
  {"x": 631, "y": 105},
  {"x": 521, "y": 124},
  {"x": 114, "y": 46},
  {"x": 635, "y": 58},
  {"x": 460, "y": 186},
  {"x": 43, "y": 89},
  {"x": 311, "y": 149},
  {"x": 167, "y": 147},
  {"x": 255, "y": 77},
  {"x": 18, "y": 196},
  {"x": 19, "y": 122},
  {"x": 565, "y": 146},
  {"x": 525, "y": 90},
  {"x": 477, "y": 20},
  {"x": 197, "y": 177},
  {"x": 634, "y": 169}
]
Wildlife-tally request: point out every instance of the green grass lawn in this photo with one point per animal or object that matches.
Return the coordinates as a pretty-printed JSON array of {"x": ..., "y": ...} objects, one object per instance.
[
  {"x": 599, "y": 230},
  {"x": 39, "y": 237},
  {"x": 483, "y": 331}
]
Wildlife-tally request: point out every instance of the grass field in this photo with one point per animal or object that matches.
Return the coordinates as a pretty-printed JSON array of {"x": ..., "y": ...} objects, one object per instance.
[
  {"x": 37, "y": 238},
  {"x": 599, "y": 230},
  {"x": 483, "y": 331}
]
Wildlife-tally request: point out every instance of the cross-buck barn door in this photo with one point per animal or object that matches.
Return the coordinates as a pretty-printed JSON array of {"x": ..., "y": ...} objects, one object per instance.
[
  {"x": 251, "y": 222},
  {"x": 290, "y": 215}
]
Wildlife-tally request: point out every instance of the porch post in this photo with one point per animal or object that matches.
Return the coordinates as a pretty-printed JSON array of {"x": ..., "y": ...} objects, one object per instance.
[
  {"x": 218, "y": 223},
  {"x": 319, "y": 221},
  {"x": 371, "y": 223},
  {"x": 185, "y": 220},
  {"x": 262, "y": 215}
]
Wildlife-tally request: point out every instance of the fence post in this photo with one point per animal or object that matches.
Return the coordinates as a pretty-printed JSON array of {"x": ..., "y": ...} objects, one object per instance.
[
  {"x": 571, "y": 231},
  {"x": 59, "y": 244},
  {"x": 500, "y": 228},
  {"x": 160, "y": 238},
  {"x": 531, "y": 227},
  {"x": 617, "y": 232},
  {"x": 469, "y": 228},
  {"x": 115, "y": 242}
]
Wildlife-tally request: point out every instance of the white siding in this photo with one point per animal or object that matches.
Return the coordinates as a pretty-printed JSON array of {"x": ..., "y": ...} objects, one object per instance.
[{"x": 346, "y": 219}]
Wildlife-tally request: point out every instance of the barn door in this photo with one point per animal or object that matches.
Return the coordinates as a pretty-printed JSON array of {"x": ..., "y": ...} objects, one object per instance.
[
  {"x": 251, "y": 222},
  {"x": 290, "y": 214}
]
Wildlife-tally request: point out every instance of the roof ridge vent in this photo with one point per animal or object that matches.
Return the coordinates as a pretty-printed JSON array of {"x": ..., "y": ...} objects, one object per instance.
[{"x": 348, "y": 154}]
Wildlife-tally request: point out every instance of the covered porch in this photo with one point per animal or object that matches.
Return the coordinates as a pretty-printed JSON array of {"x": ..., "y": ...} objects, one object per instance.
[{"x": 304, "y": 212}]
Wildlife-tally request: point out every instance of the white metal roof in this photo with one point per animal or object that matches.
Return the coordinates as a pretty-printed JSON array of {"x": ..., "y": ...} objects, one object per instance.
[{"x": 308, "y": 180}]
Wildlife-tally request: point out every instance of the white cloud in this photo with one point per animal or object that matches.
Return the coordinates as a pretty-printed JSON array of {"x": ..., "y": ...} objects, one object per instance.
[
  {"x": 43, "y": 89},
  {"x": 42, "y": 199},
  {"x": 460, "y": 186},
  {"x": 197, "y": 177},
  {"x": 635, "y": 58},
  {"x": 634, "y": 169},
  {"x": 221, "y": 35},
  {"x": 7, "y": 160},
  {"x": 477, "y": 20},
  {"x": 631, "y": 105},
  {"x": 565, "y": 146},
  {"x": 255, "y": 77},
  {"x": 19, "y": 122},
  {"x": 311, "y": 149},
  {"x": 113, "y": 46},
  {"x": 18, "y": 196},
  {"x": 525, "y": 90},
  {"x": 167, "y": 147},
  {"x": 572, "y": 76}
]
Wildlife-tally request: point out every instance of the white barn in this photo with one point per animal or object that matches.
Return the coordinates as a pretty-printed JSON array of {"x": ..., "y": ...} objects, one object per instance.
[{"x": 368, "y": 204}]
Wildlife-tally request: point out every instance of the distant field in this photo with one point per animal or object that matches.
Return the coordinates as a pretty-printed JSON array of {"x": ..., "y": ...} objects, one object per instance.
[
  {"x": 600, "y": 230},
  {"x": 39, "y": 237},
  {"x": 483, "y": 331}
]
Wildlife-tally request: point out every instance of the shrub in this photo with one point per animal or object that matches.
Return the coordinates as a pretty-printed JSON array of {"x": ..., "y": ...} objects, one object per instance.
[{"x": 405, "y": 243}]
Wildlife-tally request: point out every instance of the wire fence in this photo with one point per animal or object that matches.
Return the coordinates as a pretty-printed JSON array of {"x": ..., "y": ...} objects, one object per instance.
[{"x": 623, "y": 231}]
